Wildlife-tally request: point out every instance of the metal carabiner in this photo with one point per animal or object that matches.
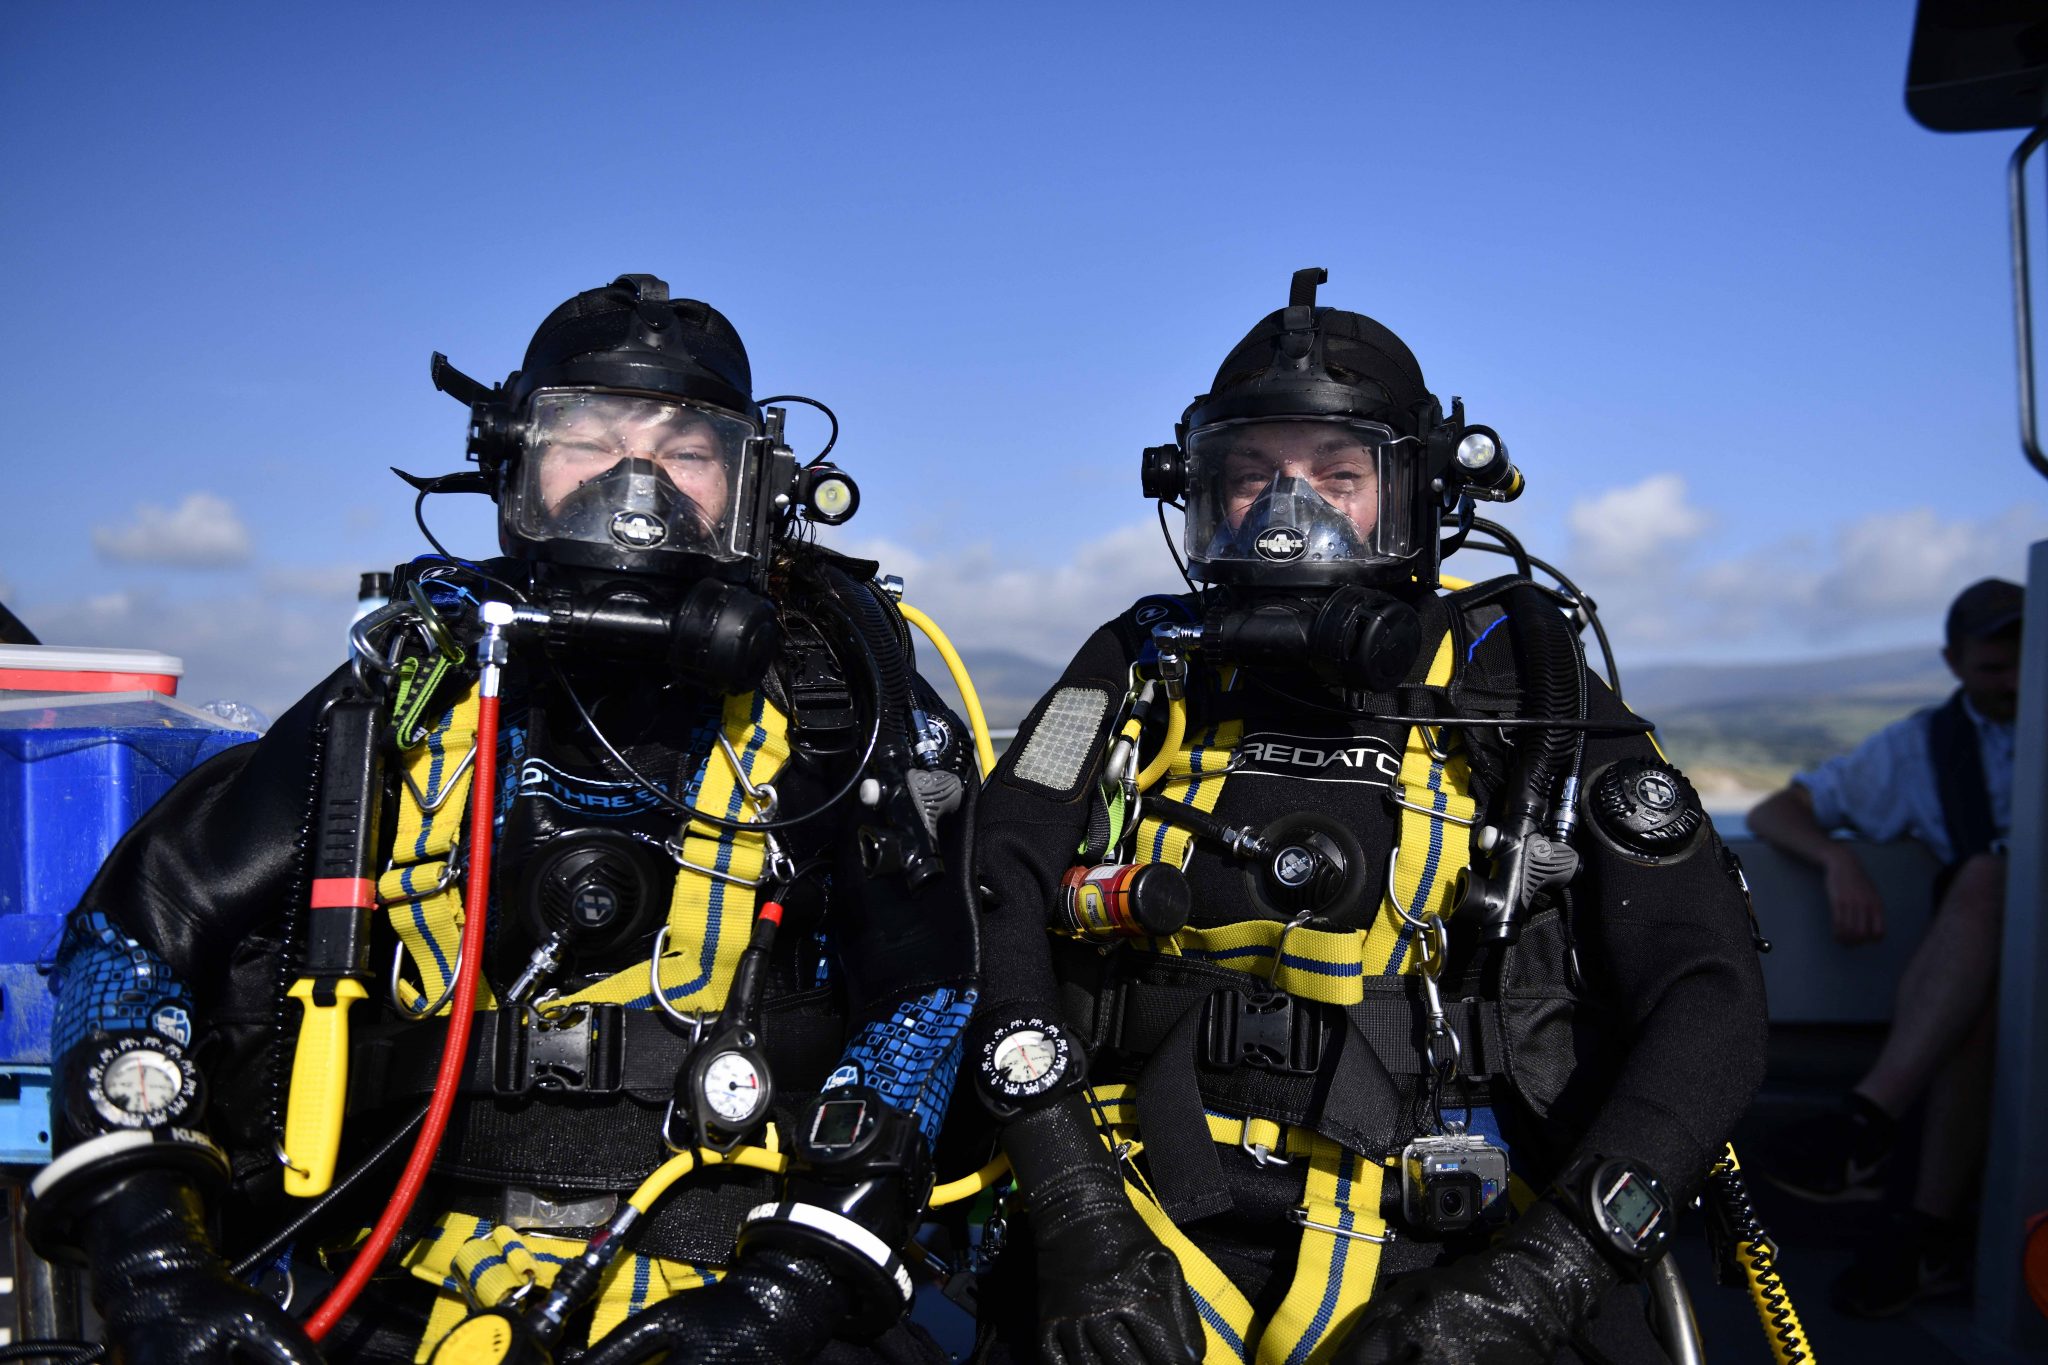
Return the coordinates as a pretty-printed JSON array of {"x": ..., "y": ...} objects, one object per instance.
[{"x": 435, "y": 630}]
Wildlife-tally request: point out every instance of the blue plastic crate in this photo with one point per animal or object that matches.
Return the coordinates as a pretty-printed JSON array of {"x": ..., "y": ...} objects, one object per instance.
[{"x": 75, "y": 773}]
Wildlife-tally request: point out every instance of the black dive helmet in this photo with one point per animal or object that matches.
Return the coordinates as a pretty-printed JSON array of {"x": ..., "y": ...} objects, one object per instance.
[
  {"x": 1320, "y": 458},
  {"x": 629, "y": 441}
]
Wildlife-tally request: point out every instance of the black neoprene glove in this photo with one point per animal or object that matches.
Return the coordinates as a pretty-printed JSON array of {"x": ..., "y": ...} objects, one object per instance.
[
  {"x": 1516, "y": 1303},
  {"x": 165, "y": 1294},
  {"x": 773, "y": 1307},
  {"x": 1108, "y": 1293}
]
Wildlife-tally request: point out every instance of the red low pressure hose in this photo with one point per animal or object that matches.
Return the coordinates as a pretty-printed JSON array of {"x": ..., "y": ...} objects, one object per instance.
[{"x": 476, "y": 897}]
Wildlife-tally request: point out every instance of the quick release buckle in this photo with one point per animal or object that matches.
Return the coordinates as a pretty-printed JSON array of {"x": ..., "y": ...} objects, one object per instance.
[
  {"x": 1269, "y": 1030},
  {"x": 580, "y": 1050}
]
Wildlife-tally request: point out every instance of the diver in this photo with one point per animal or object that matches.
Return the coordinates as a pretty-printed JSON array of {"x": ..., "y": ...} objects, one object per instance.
[
  {"x": 624, "y": 882},
  {"x": 1399, "y": 992}
]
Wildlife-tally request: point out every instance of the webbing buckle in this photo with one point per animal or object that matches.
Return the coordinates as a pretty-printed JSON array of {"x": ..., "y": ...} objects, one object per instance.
[
  {"x": 576, "y": 1051},
  {"x": 1269, "y": 1030}
]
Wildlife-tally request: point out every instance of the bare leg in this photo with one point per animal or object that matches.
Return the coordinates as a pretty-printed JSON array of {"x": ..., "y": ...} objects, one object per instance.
[
  {"x": 1957, "y": 1125},
  {"x": 1945, "y": 987}
]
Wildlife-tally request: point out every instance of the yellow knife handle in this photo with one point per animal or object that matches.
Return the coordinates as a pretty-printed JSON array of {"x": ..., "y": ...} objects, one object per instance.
[{"x": 312, "y": 1124}]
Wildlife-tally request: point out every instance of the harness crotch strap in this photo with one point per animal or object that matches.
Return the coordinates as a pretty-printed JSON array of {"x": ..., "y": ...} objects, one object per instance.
[
  {"x": 477, "y": 1263},
  {"x": 710, "y": 912},
  {"x": 1335, "y": 1268}
]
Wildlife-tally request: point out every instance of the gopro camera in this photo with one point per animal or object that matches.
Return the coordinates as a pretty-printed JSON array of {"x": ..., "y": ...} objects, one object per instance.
[{"x": 1450, "y": 1181}]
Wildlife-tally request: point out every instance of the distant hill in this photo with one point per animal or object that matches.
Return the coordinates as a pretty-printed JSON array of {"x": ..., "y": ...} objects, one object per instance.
[
  {"x": 1910, "y": 674},
  {"x": 1741, "y": 730}
]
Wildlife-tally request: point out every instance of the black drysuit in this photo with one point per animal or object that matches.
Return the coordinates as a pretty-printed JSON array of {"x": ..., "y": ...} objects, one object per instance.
[
  {"x": 1654, "y": 1060},
  {"x": 211, "y": 884}
]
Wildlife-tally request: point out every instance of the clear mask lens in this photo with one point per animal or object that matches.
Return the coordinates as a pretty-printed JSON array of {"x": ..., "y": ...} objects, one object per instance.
[
  {"x": 1299, "y": 492},
  {"x": 634, "y": 474}
]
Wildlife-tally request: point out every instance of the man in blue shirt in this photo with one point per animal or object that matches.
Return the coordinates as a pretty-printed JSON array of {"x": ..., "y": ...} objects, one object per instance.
[{"x": 1943, "y": 776}]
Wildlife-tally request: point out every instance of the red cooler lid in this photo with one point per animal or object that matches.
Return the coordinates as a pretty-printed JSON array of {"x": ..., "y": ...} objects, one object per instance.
[{"x": 74, "y": 668}]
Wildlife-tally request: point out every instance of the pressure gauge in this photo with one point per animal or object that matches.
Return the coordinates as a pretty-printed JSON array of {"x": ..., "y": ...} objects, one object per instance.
[
  {"x": 1024, "y": 1060},
  {"x": 141, "y": 1081},
  {"x": 733, "y": 1090},
  {"x": 722, "y": 1094}
]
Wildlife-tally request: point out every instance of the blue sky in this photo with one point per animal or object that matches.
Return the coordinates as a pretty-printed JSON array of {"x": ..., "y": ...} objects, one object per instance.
[{"x": 1744, "y": 324}]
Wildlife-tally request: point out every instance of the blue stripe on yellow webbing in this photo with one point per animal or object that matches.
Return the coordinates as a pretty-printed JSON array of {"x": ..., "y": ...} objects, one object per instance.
[
  {"x": 1332, "y": 1291},
  {"x": 419, "y": 920},
  {"x": 1425, "y": 888},
  {"x": 1219, "y": 1324},
  {"x": 436, "y": 752}
]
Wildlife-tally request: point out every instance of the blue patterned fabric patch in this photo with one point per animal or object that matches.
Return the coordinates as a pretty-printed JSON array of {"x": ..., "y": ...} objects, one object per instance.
[
  {"x": 912, "y": 1056},
  {"x": 105, "y": 980}
]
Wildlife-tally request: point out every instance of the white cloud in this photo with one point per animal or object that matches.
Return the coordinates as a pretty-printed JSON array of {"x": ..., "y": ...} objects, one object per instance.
[
  {"x": 251, "y": 647},
  {"x": 1625, "y": 529},
  {"x": 1640, "y": 552},
  {"x": 202, "y": 532}
]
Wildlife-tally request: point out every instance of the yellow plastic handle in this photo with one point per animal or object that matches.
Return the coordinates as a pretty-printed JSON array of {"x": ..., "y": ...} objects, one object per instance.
[{"x": 312, "y": 1123}]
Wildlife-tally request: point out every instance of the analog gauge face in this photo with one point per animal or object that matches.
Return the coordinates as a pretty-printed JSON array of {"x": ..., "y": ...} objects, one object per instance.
[
  {"x": 141, "y": 1081},
  {"x": 135, "y": 1084},
  {"x": 1025, "y": 1057},
  {"x": 732, "y": 1087}
]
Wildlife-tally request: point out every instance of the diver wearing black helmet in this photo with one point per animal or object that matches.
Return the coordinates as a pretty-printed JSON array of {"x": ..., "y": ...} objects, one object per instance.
[
  {"x": 1386, "y": 920},
  {"x": 679, "y": 994}
]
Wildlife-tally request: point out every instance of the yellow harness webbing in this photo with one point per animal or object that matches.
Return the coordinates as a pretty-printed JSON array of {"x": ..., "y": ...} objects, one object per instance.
[
  {"x": 1330, "y": 966},
  {"x": 422, "y": 895},
  {"x": 478, "y": 1263},
  {"x": 709, "y": 920},
  {"x": 710, "y": 912},
  {"x": 1342, "y": 1230}
]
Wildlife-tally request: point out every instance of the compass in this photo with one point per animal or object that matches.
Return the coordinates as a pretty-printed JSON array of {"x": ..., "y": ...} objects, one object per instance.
[
  {"x": 141, "y": 1081},
  {"x": 1023, "y": 1060}
]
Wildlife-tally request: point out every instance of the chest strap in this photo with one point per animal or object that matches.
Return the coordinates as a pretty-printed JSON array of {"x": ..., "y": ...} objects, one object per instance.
[
  {"x": 597, "y": 1051},
  {"x": 1433, "y": 845}
]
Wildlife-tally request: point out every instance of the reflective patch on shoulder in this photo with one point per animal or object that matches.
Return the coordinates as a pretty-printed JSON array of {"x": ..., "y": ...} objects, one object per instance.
[{"x": 1063, "y": 742}]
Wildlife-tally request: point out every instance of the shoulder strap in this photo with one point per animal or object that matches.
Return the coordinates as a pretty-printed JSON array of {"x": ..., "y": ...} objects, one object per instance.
[{"x": 1959, "y": 779}]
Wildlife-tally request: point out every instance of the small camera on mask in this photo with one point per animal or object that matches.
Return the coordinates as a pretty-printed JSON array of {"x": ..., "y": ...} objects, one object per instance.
[{"x": 1450, "y": 1182}]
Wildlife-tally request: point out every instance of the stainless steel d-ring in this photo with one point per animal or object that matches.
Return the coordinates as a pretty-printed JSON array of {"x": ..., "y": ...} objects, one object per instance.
[{"x": 391, "y": 982}]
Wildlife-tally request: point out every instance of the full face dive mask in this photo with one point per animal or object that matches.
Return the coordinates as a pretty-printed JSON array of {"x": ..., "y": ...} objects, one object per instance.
[
  {"x": 1290, "y": 523},
  {"x": 635, "y": 505}
]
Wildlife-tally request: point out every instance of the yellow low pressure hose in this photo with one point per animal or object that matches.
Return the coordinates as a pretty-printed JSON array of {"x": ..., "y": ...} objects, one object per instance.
[
  {"x": 1176, "y": 731},
  {"x": 984, "y": 748},
  {"x": 682, "y": 1163},
  {"x": 761, "y": 1159},
  {"x": 967, "y": 1186}
]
